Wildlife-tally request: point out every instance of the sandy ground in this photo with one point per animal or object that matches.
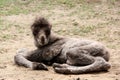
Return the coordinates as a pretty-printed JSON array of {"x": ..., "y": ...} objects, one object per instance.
[{"x": 10, "y": 71}]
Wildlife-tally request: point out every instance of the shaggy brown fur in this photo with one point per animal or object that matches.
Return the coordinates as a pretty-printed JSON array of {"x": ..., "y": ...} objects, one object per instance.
[{"x": 67, "y": 55}]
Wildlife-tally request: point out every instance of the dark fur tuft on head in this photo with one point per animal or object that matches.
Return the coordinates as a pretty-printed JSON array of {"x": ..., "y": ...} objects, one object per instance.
[{"x": 40, "y": 22}]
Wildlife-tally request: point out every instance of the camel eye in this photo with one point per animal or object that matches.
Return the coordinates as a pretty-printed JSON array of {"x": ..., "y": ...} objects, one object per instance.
[
  {"x": 47, "y": 32},
  {"x": 35, "y": 31}
]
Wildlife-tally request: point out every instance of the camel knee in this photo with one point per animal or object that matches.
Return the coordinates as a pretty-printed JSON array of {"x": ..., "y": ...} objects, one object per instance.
[
  {"x": 102, "y": 51},
  {"x": 17, "y": 58},
  {"x": 20, "y": 55},
  {"x": 103, "y": 63},
  {"x": 79, "y": 58}
]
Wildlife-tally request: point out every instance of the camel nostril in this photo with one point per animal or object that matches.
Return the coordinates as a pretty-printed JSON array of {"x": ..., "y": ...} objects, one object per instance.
[{"x": 42, "y": 40}]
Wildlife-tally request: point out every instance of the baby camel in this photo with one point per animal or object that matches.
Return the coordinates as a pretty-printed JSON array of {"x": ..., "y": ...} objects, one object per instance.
[{"x": 66, "y": 55}]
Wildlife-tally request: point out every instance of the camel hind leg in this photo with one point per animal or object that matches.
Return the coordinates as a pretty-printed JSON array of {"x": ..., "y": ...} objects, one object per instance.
[
  {"x": 80, "y": 61},
  {"x": 98, "y": 65}
]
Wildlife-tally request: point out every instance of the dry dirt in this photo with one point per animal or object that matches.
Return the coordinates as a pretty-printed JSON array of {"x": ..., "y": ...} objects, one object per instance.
[{"x": 21, "y": 38}]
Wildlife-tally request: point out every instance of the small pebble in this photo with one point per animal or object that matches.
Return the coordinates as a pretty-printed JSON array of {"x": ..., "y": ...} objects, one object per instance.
[
  {"x": 117, "y": 73},
  {"x": 3, "y": 67},
  {"x": 78, "y": 79}
]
